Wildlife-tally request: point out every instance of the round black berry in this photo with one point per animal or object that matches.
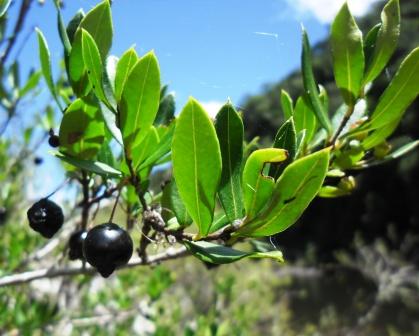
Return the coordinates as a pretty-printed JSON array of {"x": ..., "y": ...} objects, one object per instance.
[
  {"x": 54, "y": 141},
  {"x": 75, "y": 245},
  {"x": 106, "y": 247},
  {"x": 38, "y": 160},
  {"x": 45, "y": 217}
]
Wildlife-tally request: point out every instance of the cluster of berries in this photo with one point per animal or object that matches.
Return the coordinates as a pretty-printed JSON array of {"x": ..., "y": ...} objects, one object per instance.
[{"x": 105, "y": 247}]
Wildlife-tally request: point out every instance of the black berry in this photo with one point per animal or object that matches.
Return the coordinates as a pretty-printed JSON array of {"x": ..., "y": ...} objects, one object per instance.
[
  {"x": 54, "y": 141},
  {"x": 45, "y": 217},
  {"x": 106, "y": 247},
  {"x": 76, "y": 245},
  {"x": 38, "y": 160}
]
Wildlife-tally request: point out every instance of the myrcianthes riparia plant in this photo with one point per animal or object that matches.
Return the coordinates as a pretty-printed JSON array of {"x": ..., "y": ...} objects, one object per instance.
[{"x": 119, "y": 123}]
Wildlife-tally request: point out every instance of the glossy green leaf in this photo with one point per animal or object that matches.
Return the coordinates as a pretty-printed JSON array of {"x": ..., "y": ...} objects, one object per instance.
[
  {"x": 77, "y": 69},
  {"x": 45, "y": 58},
  {"x": 324, "y": 98},
  {"x": 95, "y": 167},
  {"x": 304, "y": 117},
  {"x": 257, "y": 187},
  {"x": 386, "y": 41},
  {"x": 163, "y": 147},
  {"x": 105, "y": 155},
  {"x": 109, "y": 80},
  {"x": 229, "y": 127},
  {"x": 285, "y": 139},
  {"x": 98, "y": 22},
  {"x": 220, "y": 254},
  {"x": 63, "y": 32},
  {"x": 293, "y": 192},
  {"x": 166, "y": 112},
  {"x": 310, "y": 85},
  {"x": 220, "y": 221},
  {"x": 140, "y": 100},
  {"x": 301, "y": 140},
  {"x": 82, "y": 129},
  {"x": 369, "y": 43},
  {"x": 109, "y": 118},
  {"x": 348, "y": 54},
  {"x": 286, "y": 104},
  {"x": 145, "y": 148},
  {"x": 196, "y": 160},
  {"x": 74, "y": 24},
  {"x": 123, "y": 69},
  {"x": 399, "y": 94},
  {"x": 4, "y": 5},
  {"x": 93, "y": 65},
  {"x": 172, "y": 205}
]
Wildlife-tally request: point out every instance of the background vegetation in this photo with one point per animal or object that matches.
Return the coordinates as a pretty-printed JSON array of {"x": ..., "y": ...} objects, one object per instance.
[{"x": 352, "y": 262}]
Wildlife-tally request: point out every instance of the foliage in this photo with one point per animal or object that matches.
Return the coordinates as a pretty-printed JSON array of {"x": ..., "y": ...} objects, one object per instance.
[{"x": 119, "y": 127}]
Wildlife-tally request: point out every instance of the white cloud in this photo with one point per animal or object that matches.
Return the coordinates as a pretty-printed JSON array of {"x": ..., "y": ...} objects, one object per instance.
[
  {"x": 325, "y": 10},
  {"x": 212, "y": 107}
]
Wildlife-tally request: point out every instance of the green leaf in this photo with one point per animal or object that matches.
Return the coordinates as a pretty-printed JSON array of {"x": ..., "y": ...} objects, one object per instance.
[
  {"x": 285, "y": 139},
  {"x": 310, "y": 85},
  {"x": 196, "y": 160},
  {"x": 304, "y": 117},
  {"x": 4, "y": 5},
  {"x": 166, "y": 112},
  {"x": 295, "y": 189},
  {"x": 74, "y": 24},
  {"x": 105, "y": 155},
  {"x": 45, "y": 58},
  {"x": 332, "y": 192},
  {"x": 172, "y": 205},
  {"x": 90, "y": 166},
  {"x": 123, "y": 69},
  {"x": 98, "y": 22},
  {"x": 109, "y": 80},
  {"x": 286, "y": 104},
  {"x": 348, "y": 55},
  {"x": 30, "y": 84},
  {"x": 220, "y": 254},
  {"x": 257, "y": 188},
  {"x": 140, "y": 100},
  {"x": 82, "y": 129},
  {"x": 77, "y": 69},
  {"x": 220, "y": 221},
  {"x": 369, "y": 43},
  {"x": 396, "y": 154},
  {"x": 163, "y": 147},
  {"x": 63, "y": 32},
  {"x": 398, "y": 95},
  {"x": 109, "y": 118},
  {"x": 301, "y": 140},
  {"x": 348, "y": 157},
  {"x": 386, "y": 40},
  {"x": 93, "y": 65},
  {"x": 145, "y": 148},
  {"x": 229, "y": 128}
]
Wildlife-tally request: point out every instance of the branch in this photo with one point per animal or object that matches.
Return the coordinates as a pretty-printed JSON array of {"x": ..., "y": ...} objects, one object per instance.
[
  {"x": 26, "y": 277},
  {"x": 85, "y": 203},
  {"x": 23, "y": 11}
]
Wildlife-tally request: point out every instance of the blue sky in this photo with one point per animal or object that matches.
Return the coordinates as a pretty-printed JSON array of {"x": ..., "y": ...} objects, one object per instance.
[{"x": 210, "y": 49}]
